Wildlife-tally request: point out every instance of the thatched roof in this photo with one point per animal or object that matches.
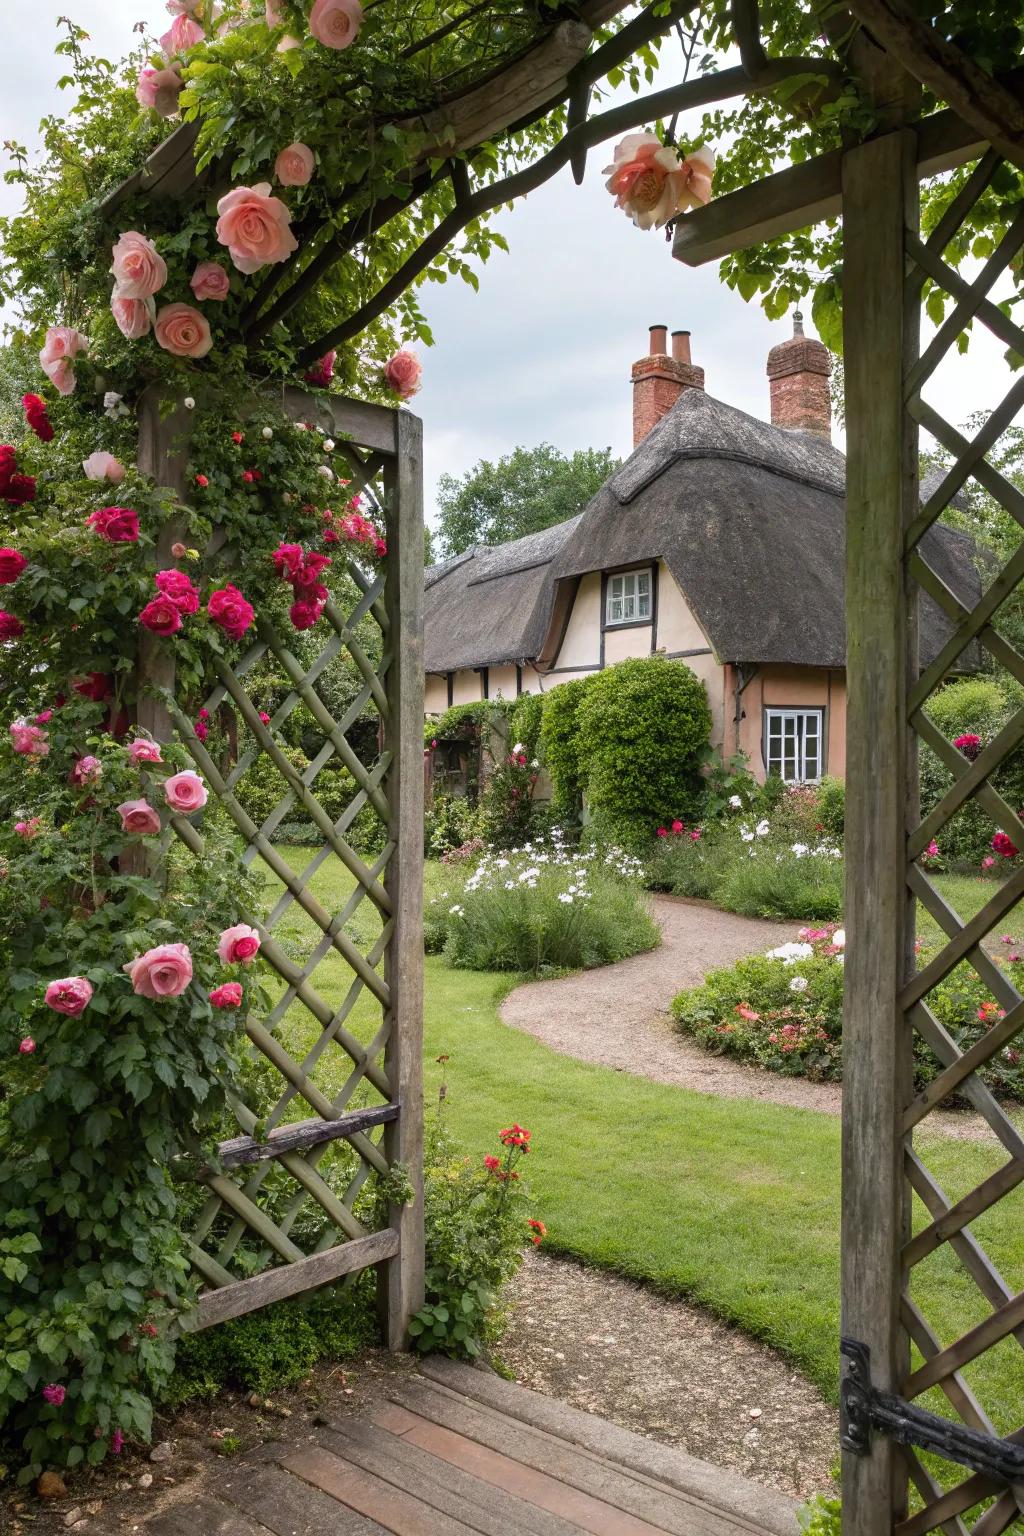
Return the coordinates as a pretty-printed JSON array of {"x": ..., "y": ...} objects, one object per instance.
[{"x": 748, "y": 517}]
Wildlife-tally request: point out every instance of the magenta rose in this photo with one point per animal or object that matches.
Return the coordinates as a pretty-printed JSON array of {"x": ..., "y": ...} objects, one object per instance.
[
  {"x": 27, "y": 1046},
  {"x": 10, "y": 625},
  {"x": 335, "y": 23},
  {"x": 162, "y": 972},
  {"x": 255, "y": 227},
  {"x": 54, "y": 1394},
  {"x": 103, "y": 466},
  {"x": 322, "y": 372},
  {"x": 131, "y": 316},
  {"x": 12, "y": 563},
  {"x": 145, "y": 751},
  {"x": 227, "y": 996},
  {"x": 181, "y": 330},
  {"x": 305, "y": 613},
  {"x": 210, "y": 281},
  {"x": 229, "y": 609},
  {"x": 29, "y": 740},
  {"x": 403, "y": 373},
  {"x": 288, "y": 560},
  {"x": 118, "y": 525},
  {"x": 70, "y": 995},
  {"x": 178, "y": 587},
  {"x": 88, "y": 770},
  {"x": 57, "y": 358},
  {"x": 29, "y": 829},
  {"x": 294, "y": 165},
  {"x": 185, "y": 792},
  {"x": 139, "y": 270},
  {"x": 238, "y": 945},
  {"x": 139, "y": 818},
  {"x": 161, "y": 616}
]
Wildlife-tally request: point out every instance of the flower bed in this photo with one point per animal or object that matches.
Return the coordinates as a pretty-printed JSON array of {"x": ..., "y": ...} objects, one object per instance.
[{"x": 541, "y": 907}]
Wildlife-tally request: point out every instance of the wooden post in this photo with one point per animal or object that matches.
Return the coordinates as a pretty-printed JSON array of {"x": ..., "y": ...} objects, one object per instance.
[
  {"x": 401, "y": 1290},
  {"x": 880, "y": 198},
  {"x": 163, "y": 453}
]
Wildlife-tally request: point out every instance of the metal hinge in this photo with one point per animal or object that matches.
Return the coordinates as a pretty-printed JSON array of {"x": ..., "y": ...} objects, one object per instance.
[{"x": 863, "y": 1408}]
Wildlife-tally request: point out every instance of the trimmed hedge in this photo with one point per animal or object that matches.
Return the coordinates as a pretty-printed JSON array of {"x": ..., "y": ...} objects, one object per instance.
[{"x": 559, "y": 735}]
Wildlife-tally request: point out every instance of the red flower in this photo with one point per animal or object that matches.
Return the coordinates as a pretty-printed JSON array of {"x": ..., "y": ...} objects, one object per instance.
[
  {"x": 1003, "y": 845},
  {"x": 162, "y": 615},
  {"x": 10, "y": 627},
  {"x": 332, "y": 536},
  {"x": 149, "y": 1329},
  {"x": 305, "y": 614},
  {"x": 204, "y": 714},
  {"x": 178, "y": 587},
  {"x": 380, "y": 548},
  {"x": 677, "y": 827},
  {"x": 746, "y": 1012},
  {"x": 118, "y": 525},
  {"x": 321, "y": 374},
  {"x": 248, "y": 476},
  {"x": 201, "y": 729},
  {"x": 287, "y": 560},
  {"x": 492, "y": 1164},
  {"x": 35, "y": 415},
  {"x": 969, "y": 744},
  {"x": 227, "y": 996},
  {"x": 539, "y": 1231},
  {"x": 238, "y": 437},
  {"x": 515, "y": 1136},
  {"x": 202, "y": 481},
  {"x": 229, "y": 609},
  {"x": 96, "y": 686},
  {"x": 12, "y": 563},
  {"x": 264, "y": 717},
  {"x": 663, "y": 831}
]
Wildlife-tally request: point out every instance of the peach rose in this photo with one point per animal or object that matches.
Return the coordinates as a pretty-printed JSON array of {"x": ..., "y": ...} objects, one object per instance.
[
  {"x": 275, "y": 15},
  {"x": 57, "y": 357},
  {"x": 145, "y": 751},
  {"x": 651, "y": 183},
  {"x": 294, "y": 166},
  {"x": 403, "y": 374},
  {"x": 159, "y": 89},
  {"x": 70, "y": 995},
  {"x": 139, "y": 270},
  {"x": 183, "y": 331},
  {"x": 255, "y": 227},
  {"x": 182, "y": 34},
  {"x": 238, "y": 945},
  {"x": 162, "y": 972},
  {"x": 139, "y": 818},
  {"x": 185, "y": 792},
  {"x": 210, "y": 281},
  {"x": 335, "y": 23},
  {"x": 103, "y": 466},
  {"x": 131, "y": 316}
]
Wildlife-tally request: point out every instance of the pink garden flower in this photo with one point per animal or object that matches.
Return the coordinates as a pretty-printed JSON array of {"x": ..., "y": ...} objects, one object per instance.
[
  {"x": 652, "y": 184},
  {"x": 294, "y": 165},
  {"x": 181, "y": 35},
  {"x": 27, "y": 1046},
  {"x": 57, "y": 358},
  {"x": 159, "y": 90},
  {"x": 227, "y": 996},
  {"x": 70, "y": 995},
  {"x": 29, "y": 740},
  {"x": 118, "y": 525},
  {"x": 255, "y": 227},
  {"x": 88, "y": 770},
  {"x": 210, "y": 281},
  {"x": 103, "y": 466},
  {"x": 335, "y": 23},
  {"x": 12, "y": 563},
  {"x": 183, "y": 330},
  {"x": 117, "y": 1442},
  {"x": 304, "y": 614},
  {"x": 185, "y": 792},
  {"x": 54, "y": 1394},
  {"x": 231, "y": 611},
  {"x": 29, "y": 829},
  {"x": 139, "y": 818},
  {"x": 178, "y": 587},
  {"x": 161, "y": 616},
  {"x": 322, "y": 372},
  {"x": 161, "y": 972},
  {"x": 10, "y": 625},
  {"x": 238, "y": 945},
  {"x": 138, "y": 269},
  {"x": 403, "y": 373},
  {"x": 131, "y": 316}
]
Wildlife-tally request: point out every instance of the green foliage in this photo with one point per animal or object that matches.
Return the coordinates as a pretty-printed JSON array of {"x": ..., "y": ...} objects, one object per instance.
[
  {"x": 450, "y": 822},
  {"x": 779, "y": 883},
  {"x": 643, "y": 730},
  {"x": 527, "y": 490},
  {"x": 978, "y": 706},
  {"x": 541, "y": 909},
  {"x": 560, "y": 743},
  {"x": 524, "y": 721},
  {"x": 821, "y": 1516},
  {"x": 261, "y": 790}
]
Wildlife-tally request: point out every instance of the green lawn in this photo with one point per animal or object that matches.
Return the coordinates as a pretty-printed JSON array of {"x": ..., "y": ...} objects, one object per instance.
[{"x": 732, "y": 1203}]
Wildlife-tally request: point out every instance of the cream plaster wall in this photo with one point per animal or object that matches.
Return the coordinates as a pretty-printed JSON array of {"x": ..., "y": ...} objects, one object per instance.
[
  {"x": 581, "y": 646},
  {"x": 624, "y": 644},
  {"x": 501, "y": 682},
  {"x": 468, "y": 686},
  {"x": 778, "y": 687},
  {"x": 435, "y": 694}
]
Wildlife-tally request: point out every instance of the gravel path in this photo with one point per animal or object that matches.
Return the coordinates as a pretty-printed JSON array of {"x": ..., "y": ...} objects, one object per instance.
[{"x": 618, "y": 1015}]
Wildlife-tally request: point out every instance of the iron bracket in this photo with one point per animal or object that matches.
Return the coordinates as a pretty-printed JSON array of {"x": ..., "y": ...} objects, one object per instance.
[{"x": 864, "y": 1408}]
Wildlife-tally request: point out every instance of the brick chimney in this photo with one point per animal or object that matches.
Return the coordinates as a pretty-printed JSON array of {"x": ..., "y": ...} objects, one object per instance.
[
  {"x": 798, "y": 373},
  {"x": 659, "y": 380}
]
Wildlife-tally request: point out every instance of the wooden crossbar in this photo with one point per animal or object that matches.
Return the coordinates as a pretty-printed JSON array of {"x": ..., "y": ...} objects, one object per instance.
[{"x": 302, "y": 1135}]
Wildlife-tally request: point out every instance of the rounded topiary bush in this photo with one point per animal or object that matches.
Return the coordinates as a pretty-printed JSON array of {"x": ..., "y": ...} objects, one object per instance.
[
  {"x": 559, "y": 734},
  {"x": 644, "y": 726}
]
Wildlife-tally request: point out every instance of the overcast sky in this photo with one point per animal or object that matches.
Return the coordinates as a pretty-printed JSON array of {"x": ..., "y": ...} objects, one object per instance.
[{"x": 543, "y": 351}]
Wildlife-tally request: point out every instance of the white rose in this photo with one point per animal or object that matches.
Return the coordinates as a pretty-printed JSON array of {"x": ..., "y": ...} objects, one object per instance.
[
  {"x": 268, "y": 433},
  {"x": 798, "y": 984},
  {"x": 189, "y": 403}
]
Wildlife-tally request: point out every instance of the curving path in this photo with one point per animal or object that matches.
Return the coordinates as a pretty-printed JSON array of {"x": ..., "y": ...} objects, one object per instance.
[{"x": 618, "y": 1015}]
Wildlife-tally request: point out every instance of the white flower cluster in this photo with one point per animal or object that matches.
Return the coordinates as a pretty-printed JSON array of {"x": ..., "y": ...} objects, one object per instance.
[{"x": 566, "y": 872}]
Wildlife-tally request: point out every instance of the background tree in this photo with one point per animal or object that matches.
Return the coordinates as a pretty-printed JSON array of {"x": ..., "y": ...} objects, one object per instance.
[{"x": 529, "y": 489}]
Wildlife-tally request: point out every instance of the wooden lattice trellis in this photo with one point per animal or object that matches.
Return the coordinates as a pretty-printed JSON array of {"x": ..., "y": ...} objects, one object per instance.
[{"x": 244, "y": 1245}]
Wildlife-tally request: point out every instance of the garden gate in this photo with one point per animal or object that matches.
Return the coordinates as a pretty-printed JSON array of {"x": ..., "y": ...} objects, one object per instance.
[
  {"x": 379, "y": 452},
  {"x": 897, "y": 1216}
]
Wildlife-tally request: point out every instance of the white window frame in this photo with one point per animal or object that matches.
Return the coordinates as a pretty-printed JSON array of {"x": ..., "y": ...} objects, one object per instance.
[
  {"x": 786, "y": 730},
  {"x": 624, "y": 602}
]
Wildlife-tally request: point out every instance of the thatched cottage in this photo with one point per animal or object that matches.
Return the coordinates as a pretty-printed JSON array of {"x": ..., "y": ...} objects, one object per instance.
[{"x": 719, "y": 542}]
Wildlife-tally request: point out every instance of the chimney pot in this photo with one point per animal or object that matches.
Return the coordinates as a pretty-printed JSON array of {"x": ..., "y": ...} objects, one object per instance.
[
  {"x": 659, "y": 379},
  {"x": 681, "y": 346},
  {"x": 798, "y": 373},
  {"x": 659, "y": 340}
]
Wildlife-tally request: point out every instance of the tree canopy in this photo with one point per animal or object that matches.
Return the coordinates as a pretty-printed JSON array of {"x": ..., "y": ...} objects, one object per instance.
[{"x": 528, "y": 489}]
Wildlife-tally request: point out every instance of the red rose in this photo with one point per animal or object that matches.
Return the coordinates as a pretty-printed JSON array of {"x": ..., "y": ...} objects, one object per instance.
[
  {"x": 227, "y": 996},
  {"x": 12, "y": 563},
  {"x": 229, "y": 609},
  {"x": 97, "y": 686},
  {"x": 288, "y": 560},
  {"x": 305, "y": 614},
  {"x": 38, "y": 420},
  {"x": 10, "y": 627},
  {"x": 118, "y": 525},
  {"x": 202, "y": 481},
  {"x": 380, "y": 548},
  {"x": 18, "y": 489},
  {"x": 248, "y": 476},
  {"x": 177, "y": 586},
  {"x": 161, "y": 615},
  {"x": 238, "y": 437}
]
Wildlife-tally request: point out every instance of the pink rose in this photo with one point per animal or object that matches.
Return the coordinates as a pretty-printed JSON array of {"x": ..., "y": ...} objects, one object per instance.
[
  {"x": 183, "y": 331},
  {"x": 178, "y": 587},
  {"x": 322, "y": 372},
  {"x": 27, "y": 1046},
  {"x": 103, "y": 466},
  {"x": 255, "y": 227},
  {"x": 335, "y": 23},
  {"x": 294, "y": 165},
  {"x": 159, "y": 89},
  {"x": 403, "y": 373},
  {"x": 29, "y": 829},
  {"x": 238, "y": 945},
  {"x": 88, "y": 770},
  {"x": 12, "y": 563},
  {"x": 118, "y": 525},
  {"x": 144, "y": 751},
  {"x": 185, "y": 792},
  {"x": 54, "y": 1394},
  {"x": 229, "y": 995},
  {"x": 210, "y": 281},
  {"x": 139, "y": 270},
  {"x": 139, "y": 818},
  {"x": 179, "y": 551},
  {"x": 29, "y": 740},
  {"x": 161, "y": 616},
  {"x": 229, "y": 609},
  {"x": 304, "y": 613},
  {"x": 131, "y": 317},
  {"x": 70, "y": 995},
  {"x": 57, "y": 357},
  {"x": 162, "y": 972},
  {"x": 650, "y": 182},
  {"x": 181, "y": 35}
]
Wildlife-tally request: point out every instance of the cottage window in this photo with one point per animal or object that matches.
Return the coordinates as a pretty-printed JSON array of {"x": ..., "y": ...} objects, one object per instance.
[
  {"x": 629, "y": 597},
  {"x": 793, "y": 744}
]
